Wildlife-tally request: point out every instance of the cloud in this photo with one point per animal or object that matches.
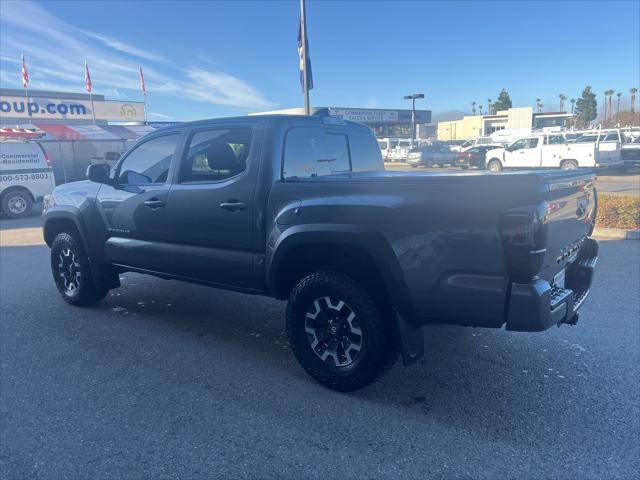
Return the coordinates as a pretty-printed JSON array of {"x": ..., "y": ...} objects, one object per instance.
[
  {"x": 224, "y": 89},
  {"x": 55, "y": 53},
  {"x": 125, "y": 48},
  {"x": 160, "y": 116}
]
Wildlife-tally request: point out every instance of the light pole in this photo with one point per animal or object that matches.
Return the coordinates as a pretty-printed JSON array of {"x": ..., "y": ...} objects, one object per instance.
[{"x": 413, "y": 113}]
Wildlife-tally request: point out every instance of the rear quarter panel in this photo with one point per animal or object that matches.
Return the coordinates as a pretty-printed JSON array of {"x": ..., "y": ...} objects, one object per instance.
[{"x": 442, "y": 233}]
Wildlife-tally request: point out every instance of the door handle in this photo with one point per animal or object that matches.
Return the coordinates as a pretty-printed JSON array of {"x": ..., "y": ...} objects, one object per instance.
[
  {"x": 233, "y": 205},
  {"x": 154, "y": 203}
]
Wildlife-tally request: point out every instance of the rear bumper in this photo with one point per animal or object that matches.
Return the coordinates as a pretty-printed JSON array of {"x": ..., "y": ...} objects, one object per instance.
[{"x": 538, "y": 305}]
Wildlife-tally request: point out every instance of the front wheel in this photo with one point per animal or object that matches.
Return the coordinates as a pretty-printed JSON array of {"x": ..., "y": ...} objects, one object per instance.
[
  {"x": 337, "y": 331},
  {"x": 17, "y": 204},
  {"x": 71, "y": 271},
  {"x": 494, "y": 166}
]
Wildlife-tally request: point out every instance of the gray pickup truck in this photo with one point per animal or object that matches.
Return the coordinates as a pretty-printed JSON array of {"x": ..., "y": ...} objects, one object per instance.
[{"x": 300, "y": 208}]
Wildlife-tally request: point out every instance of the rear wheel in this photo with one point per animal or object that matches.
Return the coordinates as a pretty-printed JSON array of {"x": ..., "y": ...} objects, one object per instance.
[
  {"x": 71, "y": 271},
  {"x": 337, "y": 331},
  {"x": 17, "y": 204},
  {"x": 494, "y": 166},
  {"x": 569, "y": 165}
]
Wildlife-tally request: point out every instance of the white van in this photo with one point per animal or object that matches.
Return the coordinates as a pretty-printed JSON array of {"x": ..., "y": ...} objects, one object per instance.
[{"x": 26, "y": 177}]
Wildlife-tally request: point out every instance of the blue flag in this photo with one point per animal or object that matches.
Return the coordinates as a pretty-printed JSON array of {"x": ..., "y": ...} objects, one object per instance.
[{"x": 304, "y": 45}]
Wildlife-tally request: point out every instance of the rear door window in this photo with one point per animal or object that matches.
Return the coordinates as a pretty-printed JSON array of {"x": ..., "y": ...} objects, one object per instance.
[{"x": 216, "y": 154}]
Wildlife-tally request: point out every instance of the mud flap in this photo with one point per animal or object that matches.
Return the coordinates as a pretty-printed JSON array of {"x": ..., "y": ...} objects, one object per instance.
[
  {"x": 104, "y": 277},
  {"x": 411, "y": 341}
]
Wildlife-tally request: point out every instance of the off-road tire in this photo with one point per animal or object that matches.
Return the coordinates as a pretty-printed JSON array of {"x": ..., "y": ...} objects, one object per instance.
[
  {"x": 67, "y": 249},
  {"x": 14, "y": 198},
  {"x": 378, "y": 347}
]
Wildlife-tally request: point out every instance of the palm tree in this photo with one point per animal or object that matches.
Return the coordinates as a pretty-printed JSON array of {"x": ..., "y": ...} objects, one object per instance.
[
  {"x": 480, "y": 107},
  {"x": 607, "y": 103},
  {"x": 633, "y": 91},
  {"x": 619, "y": 94},
  {"x": 489, "y": 107},
  {"x": 562, "y": 97},
  {"x": 573, "y": 105},
  {"x": 473, "y": 107},
  {"x": 539, "y": 105}
]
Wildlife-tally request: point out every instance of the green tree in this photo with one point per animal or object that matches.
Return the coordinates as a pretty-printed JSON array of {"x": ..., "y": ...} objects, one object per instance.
[
  {"x": 563, "y": 98},
  {"x": 633, "y": 91},
  {"x": 503, "y": 102},
  {"x": 607, "y": 104},
  {"x": 586, "y": 107},
  {"x": 473, "y": 107},
  {"x": 619, "y": 94}
]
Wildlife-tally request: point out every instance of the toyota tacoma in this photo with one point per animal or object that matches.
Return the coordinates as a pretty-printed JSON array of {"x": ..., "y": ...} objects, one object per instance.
[{"x": 300, "y": 209}]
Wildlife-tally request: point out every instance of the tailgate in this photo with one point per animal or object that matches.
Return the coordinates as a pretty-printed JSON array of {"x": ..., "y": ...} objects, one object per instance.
[{"x": 570, "y": 217}]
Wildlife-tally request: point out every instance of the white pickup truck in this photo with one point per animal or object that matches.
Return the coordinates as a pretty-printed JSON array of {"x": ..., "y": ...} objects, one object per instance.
[{"x": 552, "y": 151}]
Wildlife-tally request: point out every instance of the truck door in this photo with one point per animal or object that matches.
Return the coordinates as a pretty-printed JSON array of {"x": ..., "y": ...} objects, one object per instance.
[
  {"x": 608, "y": 148},
  {"x": 131, "y": 220},
  {"x": 210, "y": 207}
]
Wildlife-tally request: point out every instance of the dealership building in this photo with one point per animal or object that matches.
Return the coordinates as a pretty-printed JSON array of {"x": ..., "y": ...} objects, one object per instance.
[
  {"x": 74, "y": 129},
  {"x": 384, "y": 122},
  {"x": 511, "y": 122}
]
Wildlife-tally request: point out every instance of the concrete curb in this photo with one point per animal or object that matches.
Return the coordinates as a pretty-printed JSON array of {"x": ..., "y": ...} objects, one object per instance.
[{"x": 618, "y": 233}]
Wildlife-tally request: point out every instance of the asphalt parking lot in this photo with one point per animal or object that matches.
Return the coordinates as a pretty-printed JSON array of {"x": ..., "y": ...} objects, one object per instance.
[{"x": 171, "y": 380}]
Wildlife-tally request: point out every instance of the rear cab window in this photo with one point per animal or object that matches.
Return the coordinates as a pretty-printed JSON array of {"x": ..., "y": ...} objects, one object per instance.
[{"x": 315, "y": 151}]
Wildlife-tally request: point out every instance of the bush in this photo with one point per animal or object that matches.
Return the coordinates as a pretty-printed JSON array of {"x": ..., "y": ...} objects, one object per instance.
[{"x": 618, "y": 211}]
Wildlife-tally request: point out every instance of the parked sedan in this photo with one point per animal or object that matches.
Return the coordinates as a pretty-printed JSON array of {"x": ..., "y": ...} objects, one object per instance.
[
  {"x": 431, "y": 156},
  {"x": 475, "y": 157}
]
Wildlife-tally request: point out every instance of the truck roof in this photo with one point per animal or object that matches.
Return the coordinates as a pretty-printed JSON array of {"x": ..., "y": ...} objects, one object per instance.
[{"x": 271, "y": 119}]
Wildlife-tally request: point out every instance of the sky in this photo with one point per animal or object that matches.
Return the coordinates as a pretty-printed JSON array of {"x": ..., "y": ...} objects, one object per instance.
[{"x": 211, "y": 59}]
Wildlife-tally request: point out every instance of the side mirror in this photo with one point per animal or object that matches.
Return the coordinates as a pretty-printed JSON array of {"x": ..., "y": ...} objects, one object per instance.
[{"x": 99, "y": 173}]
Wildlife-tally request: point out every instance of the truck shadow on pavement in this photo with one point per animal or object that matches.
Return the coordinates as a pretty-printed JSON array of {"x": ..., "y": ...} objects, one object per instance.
[{"x": 485, "y": 382}]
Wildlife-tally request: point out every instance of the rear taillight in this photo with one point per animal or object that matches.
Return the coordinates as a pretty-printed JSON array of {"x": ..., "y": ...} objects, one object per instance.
[
  {"x": 524, "y": 236},
  {"x": 46, "y": 159}
]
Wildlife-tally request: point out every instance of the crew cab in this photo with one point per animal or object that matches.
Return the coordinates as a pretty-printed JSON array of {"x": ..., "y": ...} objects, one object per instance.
[
  {"x": 552, "y": 151},
  {"x": 300, "y": 208}
]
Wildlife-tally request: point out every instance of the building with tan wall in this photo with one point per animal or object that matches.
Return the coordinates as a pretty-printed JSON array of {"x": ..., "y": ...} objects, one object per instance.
[{"x": 522, "y": 120}]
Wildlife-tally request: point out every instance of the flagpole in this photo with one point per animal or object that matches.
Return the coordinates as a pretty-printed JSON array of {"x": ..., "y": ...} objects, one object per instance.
[
  {"x": 93, "y": 110},
  {"x": 307, "y": 107}
]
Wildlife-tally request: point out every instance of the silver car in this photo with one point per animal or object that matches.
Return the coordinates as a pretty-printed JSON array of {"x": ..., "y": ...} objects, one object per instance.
[{"x": 431, "y": 156}]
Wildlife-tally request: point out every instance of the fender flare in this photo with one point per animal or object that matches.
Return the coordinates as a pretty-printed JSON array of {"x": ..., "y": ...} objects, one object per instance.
[
  {"x": 65, "y": 212},
  {"x": 367, "y": 240}
]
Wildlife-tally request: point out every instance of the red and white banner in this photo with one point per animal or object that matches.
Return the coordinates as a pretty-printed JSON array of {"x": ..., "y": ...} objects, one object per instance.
[{"x": 87, "y": 78}]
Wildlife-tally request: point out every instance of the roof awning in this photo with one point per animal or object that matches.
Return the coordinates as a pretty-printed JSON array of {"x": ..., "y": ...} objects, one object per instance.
[
  {"x": 61, "y": 132},
  {"x": 19, "y": 133}
]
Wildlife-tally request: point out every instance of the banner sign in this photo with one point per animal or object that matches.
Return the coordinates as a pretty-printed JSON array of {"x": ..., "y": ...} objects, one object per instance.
[
  {"x": 365, "y": 115},
  {"x": 35, "y": 109},
  {"x": 376, "y": 115}
]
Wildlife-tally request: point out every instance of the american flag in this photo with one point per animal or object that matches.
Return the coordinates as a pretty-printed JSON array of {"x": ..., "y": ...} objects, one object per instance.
[
  {"x": 303, "y": 51},
  {"x": 25, "y": 74},
  {"x": 87, "y": 78},
  {"x": 142, "y": 86}
]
